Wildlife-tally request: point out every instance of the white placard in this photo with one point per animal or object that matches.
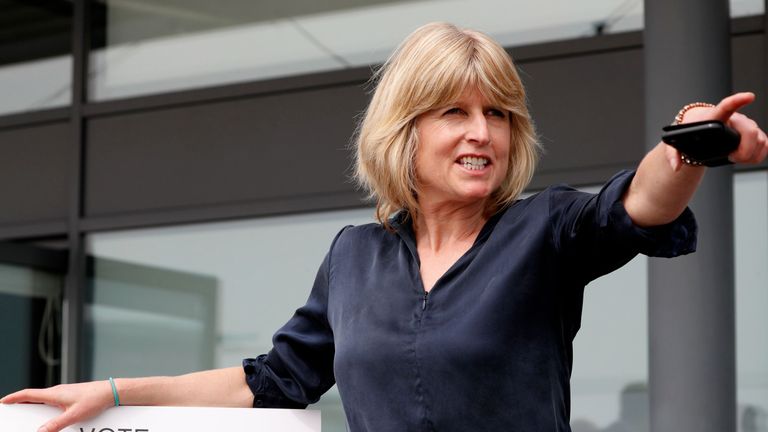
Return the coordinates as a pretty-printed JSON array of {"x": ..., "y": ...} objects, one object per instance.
[{"x": 28, "y": 418}]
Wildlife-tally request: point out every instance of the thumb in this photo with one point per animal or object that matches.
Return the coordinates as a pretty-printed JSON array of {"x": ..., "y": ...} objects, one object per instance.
[
  {"x": 725, "y": 109},
  {"x": 673, "y": 157},
  {"x": 67, "y": 418}
]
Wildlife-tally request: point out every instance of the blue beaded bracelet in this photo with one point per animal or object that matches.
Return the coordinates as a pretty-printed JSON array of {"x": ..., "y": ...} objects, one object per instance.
[{"x": 114, "y": 392}]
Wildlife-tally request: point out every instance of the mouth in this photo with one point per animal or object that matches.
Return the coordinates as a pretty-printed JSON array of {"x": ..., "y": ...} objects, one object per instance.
[{"x": 473, "y": 163}]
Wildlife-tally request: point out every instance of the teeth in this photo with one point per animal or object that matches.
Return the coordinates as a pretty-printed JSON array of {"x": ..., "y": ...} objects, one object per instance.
[{"x": 473, "y": 163}]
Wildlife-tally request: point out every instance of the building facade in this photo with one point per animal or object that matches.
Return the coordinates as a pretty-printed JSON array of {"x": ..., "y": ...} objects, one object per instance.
[{"x": 173, "y": 173}]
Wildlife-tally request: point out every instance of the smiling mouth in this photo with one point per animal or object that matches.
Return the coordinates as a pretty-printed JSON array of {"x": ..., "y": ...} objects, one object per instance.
[{"x": 473, "y": 162}]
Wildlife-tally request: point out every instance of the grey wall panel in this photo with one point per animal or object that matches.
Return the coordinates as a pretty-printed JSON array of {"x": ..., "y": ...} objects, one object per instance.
[
  {"x": 241, "y": 151},
  {"x": 748, "y": 73},
  {"x": 252, "y": 150},
  {"x": 265, "y": 153},
  {"x": 589, "y": 114},
  {"x": 34, "y": 178}
]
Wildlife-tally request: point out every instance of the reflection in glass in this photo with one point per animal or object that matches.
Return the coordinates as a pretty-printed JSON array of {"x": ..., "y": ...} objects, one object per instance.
[
  {"x": 159, "y": 293},
  {"x": 610, "y": 362},
  {"x": 30, "y": 328},
  {"x": 35, "y": 55},
  {"x": 153, "y": 46},
  {"x": 751, "y": 250},
  {"x": 740, "y": 8},
  {"x": 610, "y": 353},
  {"x": 143, "y": 320},
  {"x": 263, "y": 270}
]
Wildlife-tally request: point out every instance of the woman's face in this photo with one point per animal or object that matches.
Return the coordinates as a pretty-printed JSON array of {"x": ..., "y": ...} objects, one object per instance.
[{"x": 463, "y": 151}]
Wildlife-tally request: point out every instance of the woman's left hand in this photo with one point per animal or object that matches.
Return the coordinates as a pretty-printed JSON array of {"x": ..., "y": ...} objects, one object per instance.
[{"x": 753, "y": 147}]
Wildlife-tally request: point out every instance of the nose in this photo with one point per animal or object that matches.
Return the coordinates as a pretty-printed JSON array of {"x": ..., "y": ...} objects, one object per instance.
[{"x": 477, "y": 130}]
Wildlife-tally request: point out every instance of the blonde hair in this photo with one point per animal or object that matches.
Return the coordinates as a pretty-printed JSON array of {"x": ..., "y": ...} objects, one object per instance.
[{"x": 433, "y": 67}]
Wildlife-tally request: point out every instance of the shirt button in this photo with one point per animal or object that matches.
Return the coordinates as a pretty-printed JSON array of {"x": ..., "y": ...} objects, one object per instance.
[{"x": 259, "y": 403}]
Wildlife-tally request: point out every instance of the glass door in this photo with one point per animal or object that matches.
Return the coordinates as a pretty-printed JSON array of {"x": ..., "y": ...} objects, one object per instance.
[{"x": 31, "y": 286}]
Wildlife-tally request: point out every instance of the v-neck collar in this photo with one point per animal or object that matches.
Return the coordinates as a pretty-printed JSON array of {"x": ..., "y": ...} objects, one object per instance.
[{"x": 402, "y": 223}]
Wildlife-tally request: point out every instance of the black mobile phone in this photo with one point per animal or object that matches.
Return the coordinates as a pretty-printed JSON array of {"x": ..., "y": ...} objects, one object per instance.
[{"x": 709, "y": 142}]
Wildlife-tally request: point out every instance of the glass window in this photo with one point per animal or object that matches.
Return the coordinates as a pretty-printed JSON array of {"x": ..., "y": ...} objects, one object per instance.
[
  {"x": 35, "y": 55},
  {"x": 139, "y": 313},
  {"x": 741, "y": 8},
  {"x": 156, "y": 46},
  {"x": 609, "y": 383},
  {"x": 751, "y": 250},
  {"x": 30, "y": 328},
  {"x": 174, "y": 300},
  {"x": 257, "y": 272}
]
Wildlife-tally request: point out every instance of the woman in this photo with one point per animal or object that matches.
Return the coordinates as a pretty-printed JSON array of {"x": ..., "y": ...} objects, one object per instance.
[{"x": 458, "y": 310}]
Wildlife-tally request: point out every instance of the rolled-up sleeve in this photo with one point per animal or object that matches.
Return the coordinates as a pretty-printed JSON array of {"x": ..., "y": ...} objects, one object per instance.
[
  {"x": 299, "y": 367},
  {"x": 595, "y": 233}
]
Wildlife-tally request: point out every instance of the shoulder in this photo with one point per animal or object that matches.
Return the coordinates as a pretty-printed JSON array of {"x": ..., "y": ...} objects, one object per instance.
[
  {"x": 538, "y": 212},
  {"x": 352, "y": 232},
  {"x": 563, "y": 193},
  {"x": 538, "y": 204},
  {"x": 356, "y": 248},
  {"x": 543, "y": 197},
  {"x": 355, "y": 237}
]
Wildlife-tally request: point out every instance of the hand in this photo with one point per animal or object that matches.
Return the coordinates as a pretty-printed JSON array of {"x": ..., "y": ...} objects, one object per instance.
[
  {"x": 753, "y": 147},
  {"x": 79, "y": 401}
]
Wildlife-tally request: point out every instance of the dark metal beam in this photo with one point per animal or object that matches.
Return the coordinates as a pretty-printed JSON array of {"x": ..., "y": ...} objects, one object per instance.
[
  {"x": 49, "y": 260},
  {"x": 34, "y": 118},
  {"x": 75, "y": 280}
]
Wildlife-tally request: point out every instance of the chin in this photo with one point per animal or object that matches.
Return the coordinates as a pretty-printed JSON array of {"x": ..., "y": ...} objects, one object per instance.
[
  {"x": 473, "y": 196},
  {"x": 480, "y": 190}
]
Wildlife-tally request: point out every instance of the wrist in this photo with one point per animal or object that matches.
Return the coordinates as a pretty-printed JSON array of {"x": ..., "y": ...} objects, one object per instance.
[
  {"x": 148, "y": 391},
  {"x": 692, "y": 109},
  {"x": 115, "y": 395}
]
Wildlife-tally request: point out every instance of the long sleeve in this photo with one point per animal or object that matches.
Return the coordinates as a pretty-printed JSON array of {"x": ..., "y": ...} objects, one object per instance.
[
  {"x": 299, "y": 367},
  {"x": 594, "y": 233}
]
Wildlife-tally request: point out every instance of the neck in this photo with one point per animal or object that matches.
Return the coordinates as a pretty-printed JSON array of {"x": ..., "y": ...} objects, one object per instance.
[{"x": 439, "y": 226}]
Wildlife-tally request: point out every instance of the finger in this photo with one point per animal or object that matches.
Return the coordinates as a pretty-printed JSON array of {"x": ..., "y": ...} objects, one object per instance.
[
  {"x": 750, "y": 134},
  {"x": 29, "y": 396},
  {"x": 762, "y": 151},
  {"x": 673, "y": 157},
  {"x": 67, "y": 418},
  {"x": 725, "y": 109},
  {"x": 747, "y": 148},
  {"x": 755, "y": 157}
]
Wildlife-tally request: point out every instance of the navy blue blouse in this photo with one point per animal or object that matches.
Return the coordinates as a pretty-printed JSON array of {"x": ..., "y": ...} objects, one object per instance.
[{"x": 489, "y": 348}]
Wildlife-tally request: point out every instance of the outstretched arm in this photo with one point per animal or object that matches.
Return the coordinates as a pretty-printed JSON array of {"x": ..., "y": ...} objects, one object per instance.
[
  {"x": 663, "y": 185},
  {"x": 219, "y": 387}
]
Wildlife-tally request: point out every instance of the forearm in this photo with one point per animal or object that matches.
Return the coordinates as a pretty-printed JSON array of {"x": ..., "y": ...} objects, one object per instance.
[
  {"x": 663, "y": 186},
  {"x": 658, "y": 194},
  {"x": 218, "y": 387}
]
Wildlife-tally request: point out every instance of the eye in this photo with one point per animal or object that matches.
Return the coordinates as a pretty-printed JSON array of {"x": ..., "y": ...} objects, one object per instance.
[
  {"x": 454, "y": 110},
  {"x": 495, "y": 112}
]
